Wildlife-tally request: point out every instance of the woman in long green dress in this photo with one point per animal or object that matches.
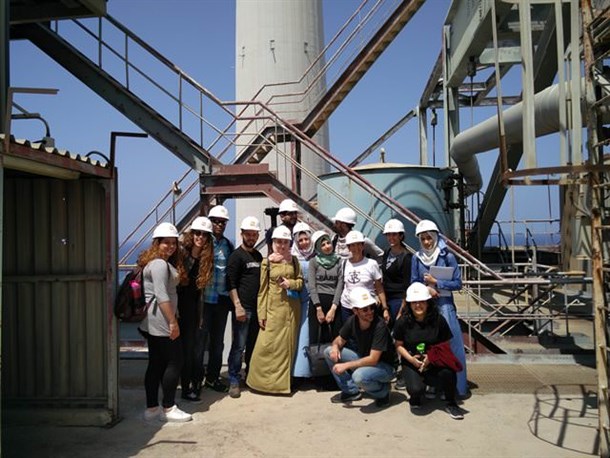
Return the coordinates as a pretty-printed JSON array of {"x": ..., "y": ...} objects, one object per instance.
[{"x": 279, "y": 310}]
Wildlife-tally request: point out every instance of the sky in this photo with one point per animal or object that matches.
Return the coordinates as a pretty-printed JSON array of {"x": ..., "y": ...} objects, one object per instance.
[{"x": 199, "y": 37}]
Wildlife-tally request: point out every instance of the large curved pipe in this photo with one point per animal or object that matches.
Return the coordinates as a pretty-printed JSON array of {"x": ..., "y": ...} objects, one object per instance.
[{"x": 484, "y": 136}]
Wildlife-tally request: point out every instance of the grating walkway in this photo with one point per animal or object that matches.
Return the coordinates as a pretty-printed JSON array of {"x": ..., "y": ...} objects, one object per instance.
[{"x": 530, "y": 378}]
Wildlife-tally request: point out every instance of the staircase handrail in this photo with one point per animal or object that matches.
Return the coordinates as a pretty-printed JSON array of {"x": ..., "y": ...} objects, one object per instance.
[
  {"x": 322, "y": 72},
  {"x": 296, "y": 133},
  {"x": 391, "y": 203},
  {"x": 163, "y": 217}
]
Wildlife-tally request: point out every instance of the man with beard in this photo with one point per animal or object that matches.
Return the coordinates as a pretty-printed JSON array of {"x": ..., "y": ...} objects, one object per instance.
[
  {"x": 289, "y": 216},
  {"x": 243, "y": 279}
]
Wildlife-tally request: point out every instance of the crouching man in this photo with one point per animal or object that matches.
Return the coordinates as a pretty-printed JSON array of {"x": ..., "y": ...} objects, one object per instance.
[{"x": 371, "y": 368}]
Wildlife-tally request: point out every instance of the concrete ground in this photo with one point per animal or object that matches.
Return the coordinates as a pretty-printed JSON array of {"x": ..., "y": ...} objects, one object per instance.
[{"x": 518, "y": 408}]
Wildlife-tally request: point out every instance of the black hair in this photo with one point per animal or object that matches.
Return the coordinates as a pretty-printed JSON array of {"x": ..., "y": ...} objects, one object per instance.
[{"x": 432, "y": 314}]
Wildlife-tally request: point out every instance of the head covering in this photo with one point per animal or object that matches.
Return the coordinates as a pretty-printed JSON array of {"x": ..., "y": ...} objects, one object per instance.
[
  {"x": 429, "y": 257},
  {"x": 326, "y": 261},
  {"x": 302, "y": 255},
  {"x": 280, "y": 253}
]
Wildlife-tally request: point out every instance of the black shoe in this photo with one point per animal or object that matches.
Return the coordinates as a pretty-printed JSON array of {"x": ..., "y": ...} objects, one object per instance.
[
  {"x": 400, "y": 384},
  {"x": 196, "y": 388},
  {"x": 384, "y": 401},
  {"x": 463, "y": 397},
  {"x": 346, "y": 397},
  {"x": 192, "y": 397},
  {"x": 217, "y": 385},
  {"x": 415, "y": 403},
  {"x": 454, "y": 411}
]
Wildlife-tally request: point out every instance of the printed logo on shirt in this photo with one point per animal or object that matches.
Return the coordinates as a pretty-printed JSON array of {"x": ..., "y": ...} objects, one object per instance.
[
  {"x": 354, "y": 277},
  {"x": 253, "y": 265}
]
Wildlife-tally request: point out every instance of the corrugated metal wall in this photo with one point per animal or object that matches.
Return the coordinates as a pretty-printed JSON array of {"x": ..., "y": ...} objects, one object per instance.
[{"x": 55, "y": 313}]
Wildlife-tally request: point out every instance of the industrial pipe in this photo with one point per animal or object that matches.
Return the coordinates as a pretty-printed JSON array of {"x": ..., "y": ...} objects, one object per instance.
[{"x": 484, "y": 136}]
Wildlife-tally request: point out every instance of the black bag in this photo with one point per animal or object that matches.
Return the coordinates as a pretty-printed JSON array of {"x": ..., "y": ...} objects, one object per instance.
[
  {"x": 315, "y": 355},
  {"x": 130, "y": 305}
]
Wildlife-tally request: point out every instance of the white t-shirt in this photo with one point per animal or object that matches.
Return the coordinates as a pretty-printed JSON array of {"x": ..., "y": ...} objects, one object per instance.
[{"x": 363, "y": 273}]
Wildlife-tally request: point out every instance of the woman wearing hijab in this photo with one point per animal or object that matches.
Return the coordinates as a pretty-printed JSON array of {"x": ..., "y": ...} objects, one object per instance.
[
  {"x": 325, "y": 284},
  {"x": 279, "y": 310},
  {"x": 437, "y": 268},
  {"x": 302, "y": 249}
]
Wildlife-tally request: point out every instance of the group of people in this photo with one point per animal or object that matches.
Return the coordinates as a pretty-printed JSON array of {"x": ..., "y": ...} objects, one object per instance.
[{"x": 372, "y": 307}]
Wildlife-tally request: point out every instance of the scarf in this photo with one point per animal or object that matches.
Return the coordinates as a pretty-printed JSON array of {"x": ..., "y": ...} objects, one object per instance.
[
  {"x": 302, "y": 255},
  {"x": 326, "y": 261},
  {"x": 429, "y": 257}
]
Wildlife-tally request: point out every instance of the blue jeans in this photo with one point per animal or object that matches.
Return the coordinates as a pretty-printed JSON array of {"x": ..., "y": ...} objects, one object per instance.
[
  {"x": 244, "y": 336},
  {"x": 374, "y": 380},
  {"x": 394, "y": 304}
]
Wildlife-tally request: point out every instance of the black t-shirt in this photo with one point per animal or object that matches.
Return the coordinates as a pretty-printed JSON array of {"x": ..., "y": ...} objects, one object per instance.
[
  {"x": 396, "y": 276},
  {"x": 376, "y": 337},
  {"x": 414, "y": 333},
  {"x": 243, "y": 274}
]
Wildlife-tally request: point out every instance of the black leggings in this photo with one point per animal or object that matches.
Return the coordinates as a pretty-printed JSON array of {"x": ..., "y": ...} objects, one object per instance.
[
  {"x": 438, "y": 377},
  {"x": 164, "y": 365},
  {"x": 188, "y": 329}
]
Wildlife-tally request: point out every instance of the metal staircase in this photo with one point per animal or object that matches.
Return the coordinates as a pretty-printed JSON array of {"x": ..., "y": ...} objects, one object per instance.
[
  {"x": 118, "y": 90},
  {"x": 210, "y": 173}
]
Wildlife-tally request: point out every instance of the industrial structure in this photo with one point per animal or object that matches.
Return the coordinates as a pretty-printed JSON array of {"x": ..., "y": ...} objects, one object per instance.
[{"x": 514, "y": 295}]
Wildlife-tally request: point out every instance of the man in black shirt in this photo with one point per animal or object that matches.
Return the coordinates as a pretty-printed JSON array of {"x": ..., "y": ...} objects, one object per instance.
[
  {"x": 370, "y": 369},
  {"x": 243, "y": 279}
]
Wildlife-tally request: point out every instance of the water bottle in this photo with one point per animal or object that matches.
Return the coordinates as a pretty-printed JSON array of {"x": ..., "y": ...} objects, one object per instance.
[{"x": 136, "y": 290}]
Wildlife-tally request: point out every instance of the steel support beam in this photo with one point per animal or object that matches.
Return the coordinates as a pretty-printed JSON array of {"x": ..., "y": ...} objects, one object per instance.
[
  {"x": 545, "y": 67},
  {"x": 359, "y": 66},
  {"x": 118, "y": 96}
]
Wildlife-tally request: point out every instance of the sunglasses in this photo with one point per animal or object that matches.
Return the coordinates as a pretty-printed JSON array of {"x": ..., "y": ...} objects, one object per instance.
[
  {"x": 218, "y": 221},
  {"x": 197, "y": 233},
  {"x": 368, "y": 308},
  {"x": 289, "y": 213}
]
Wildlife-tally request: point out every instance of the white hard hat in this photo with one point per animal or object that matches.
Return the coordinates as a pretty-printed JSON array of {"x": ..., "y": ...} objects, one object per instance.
[
  {"x": 219, "y": 211},
  {"x": 393, "y": 226},
  {"x": 282, "y": 233},
  {"x": 317, "y": 236},
  {"x": 361, "y": 297},
  {"x": 165, "y": 230},
  {"x": 301, "y": 227},
  {"x": 354, "y": 237},
  {"x": 288, "y": 205},
  {"x": 346, "y": 215},
  {"x": 418, "y": 292},
  {"x": 201, "y": 223},
  {"x": 425, "y": 225},
  {"x": 250, "y": 223}
]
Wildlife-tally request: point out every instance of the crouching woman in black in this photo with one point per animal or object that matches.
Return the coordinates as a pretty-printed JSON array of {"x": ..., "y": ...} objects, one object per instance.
[{"x": 422, "y": 339}]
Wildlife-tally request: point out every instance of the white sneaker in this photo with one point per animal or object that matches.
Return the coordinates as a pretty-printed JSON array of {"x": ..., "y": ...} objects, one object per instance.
[
  {"x": 175, "y": 415},
  {"x": 151, "y": 414}
]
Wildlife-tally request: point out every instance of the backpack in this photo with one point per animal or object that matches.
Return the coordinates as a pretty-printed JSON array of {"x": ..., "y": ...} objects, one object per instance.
[{"x": 130, "y": 304}]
